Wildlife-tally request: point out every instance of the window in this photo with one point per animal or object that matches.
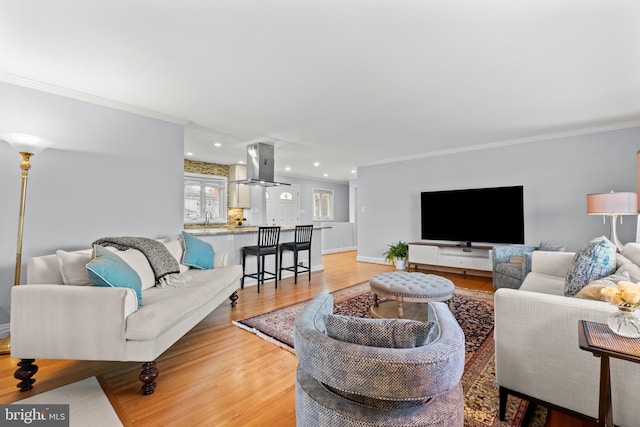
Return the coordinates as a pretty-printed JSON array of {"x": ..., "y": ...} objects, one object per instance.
[
  {"x": 322, "y": 205},
  {"x": 205, "y": 198}
]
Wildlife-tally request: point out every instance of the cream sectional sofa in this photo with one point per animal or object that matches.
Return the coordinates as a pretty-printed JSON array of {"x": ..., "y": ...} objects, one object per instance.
[
  {"x": 54, "y": 320},
  {"x": 536, "y": 336}
]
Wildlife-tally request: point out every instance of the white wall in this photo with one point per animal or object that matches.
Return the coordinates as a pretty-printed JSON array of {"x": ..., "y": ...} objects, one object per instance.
[
  {"x": 556, "y": 174},
  {"x": 338, "y": 237},
  {"x": 109, "y": 173},
  {"x": 256, "y": 214}
]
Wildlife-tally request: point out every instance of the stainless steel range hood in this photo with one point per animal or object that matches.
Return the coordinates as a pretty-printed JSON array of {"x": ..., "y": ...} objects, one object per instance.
[{"x": 260, "y": 166}]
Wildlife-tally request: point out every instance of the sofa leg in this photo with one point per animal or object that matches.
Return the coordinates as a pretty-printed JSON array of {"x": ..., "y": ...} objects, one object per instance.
[
  {"x": 148, "y": 377},
  {"x": 503, "y": 403},
  {"x": 24, "y": 373},
  {"x": 234, "y": 299}
]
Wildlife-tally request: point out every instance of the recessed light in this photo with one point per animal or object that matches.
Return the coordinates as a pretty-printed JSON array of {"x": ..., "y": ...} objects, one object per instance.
[
  {"x": 217, "y": 144},
  {"x": 287, "y": 168},
  {"x": 189, "y": 153},
  {"x": 316, "y": 164},
  {"x": 326, "y": 174},
  {"x": 353, "y": 171},
  {"x": 241, "y": 162}
]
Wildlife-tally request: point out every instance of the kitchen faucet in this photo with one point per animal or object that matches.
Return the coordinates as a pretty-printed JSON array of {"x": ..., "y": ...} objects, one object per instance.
[{"x": 207, "y": 217}]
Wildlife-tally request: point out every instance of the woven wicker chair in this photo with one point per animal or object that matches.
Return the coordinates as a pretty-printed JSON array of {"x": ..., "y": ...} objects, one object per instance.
[{"x": 345, "y": 384}]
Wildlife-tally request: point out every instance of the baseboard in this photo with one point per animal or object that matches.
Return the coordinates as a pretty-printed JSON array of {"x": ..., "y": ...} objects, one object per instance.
[
  {"x": 371, "y": 260},
  {"x": 337, "y": 250},
  {"x": 4, "y": 330}
]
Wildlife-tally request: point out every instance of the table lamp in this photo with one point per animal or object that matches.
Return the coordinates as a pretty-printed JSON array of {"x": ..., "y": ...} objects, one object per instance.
[{"x": 613, "y": 204}]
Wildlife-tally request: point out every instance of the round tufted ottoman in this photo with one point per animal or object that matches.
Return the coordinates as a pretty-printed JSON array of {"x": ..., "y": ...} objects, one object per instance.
[{"x": 413, "y": 288}]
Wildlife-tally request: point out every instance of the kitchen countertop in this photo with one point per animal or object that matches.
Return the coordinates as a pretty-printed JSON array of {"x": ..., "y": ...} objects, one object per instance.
[{"x": 219, "y": 231}]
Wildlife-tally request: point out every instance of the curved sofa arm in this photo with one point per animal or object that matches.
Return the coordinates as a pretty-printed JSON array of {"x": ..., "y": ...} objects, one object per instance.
[
  {"x": 70, "y": 322},
  {"x": 382, "y": 373}
]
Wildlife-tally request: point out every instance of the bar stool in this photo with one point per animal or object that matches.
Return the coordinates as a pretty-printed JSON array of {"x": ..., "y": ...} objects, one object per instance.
[
  {"x": 268, "y": 239},
  {"x": 302, "y": 242}
]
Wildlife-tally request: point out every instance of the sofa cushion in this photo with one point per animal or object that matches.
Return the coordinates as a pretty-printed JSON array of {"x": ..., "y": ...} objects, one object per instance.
[
  {"x": 140, "y": 264},
  {"x": 593, "y": 289},
  {"x": 632, "y": 270},
  {"x": 197, "y": 253},
  {"x": 175, "y": 248},
  {"x": 591, "y": 262},
  {"x": 73, "y": 267},
  {"x": 543, "y": 283},
  {"x": 164, "y": 308},
  {"x": 108, "y": 269},
  {"x": 632, "y": 252},
  {"x": 388, "y": 333}
]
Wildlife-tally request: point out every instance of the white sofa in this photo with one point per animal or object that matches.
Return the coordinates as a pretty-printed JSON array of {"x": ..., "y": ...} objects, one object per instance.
[
  {"x": 51, "y": 320},
  {"x": 537, "y": 354}
]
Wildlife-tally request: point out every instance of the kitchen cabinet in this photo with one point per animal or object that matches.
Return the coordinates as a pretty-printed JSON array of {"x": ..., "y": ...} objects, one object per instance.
[{"x": 239, "y": 194}]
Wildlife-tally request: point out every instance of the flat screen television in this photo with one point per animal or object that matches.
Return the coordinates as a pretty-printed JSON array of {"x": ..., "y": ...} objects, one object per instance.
[{"x": 480, "y": 215}]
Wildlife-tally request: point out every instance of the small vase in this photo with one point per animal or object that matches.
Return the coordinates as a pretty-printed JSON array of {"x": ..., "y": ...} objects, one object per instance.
[{"x": 625, "y": 322}]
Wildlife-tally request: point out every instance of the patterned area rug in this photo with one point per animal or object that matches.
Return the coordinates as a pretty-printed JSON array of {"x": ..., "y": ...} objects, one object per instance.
[{"x": 474, "y": 312}]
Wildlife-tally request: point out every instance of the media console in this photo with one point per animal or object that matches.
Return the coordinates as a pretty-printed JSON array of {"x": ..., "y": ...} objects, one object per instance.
[{"x": 474, "y": 260}]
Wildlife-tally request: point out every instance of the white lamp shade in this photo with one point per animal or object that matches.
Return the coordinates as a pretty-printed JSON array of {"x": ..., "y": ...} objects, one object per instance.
[
  {"x": 612, "y": 203},
  {"x": 23, "y": 143}
]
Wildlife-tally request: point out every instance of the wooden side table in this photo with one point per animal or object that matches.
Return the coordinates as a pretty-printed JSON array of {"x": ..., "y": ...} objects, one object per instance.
[{"x": 603, "y": 343}]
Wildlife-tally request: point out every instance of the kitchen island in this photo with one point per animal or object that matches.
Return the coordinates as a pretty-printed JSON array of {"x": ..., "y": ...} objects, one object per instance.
[{"x": 232, "y": 239}]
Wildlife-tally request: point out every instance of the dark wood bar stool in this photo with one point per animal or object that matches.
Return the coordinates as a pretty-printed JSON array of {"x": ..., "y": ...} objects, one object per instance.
[
  {"x": 268, "y": 239},
  {"x": 302, "y": 242}
]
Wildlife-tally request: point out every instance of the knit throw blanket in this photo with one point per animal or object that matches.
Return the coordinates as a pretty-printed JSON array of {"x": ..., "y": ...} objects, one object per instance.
[{"x": 165, "y": 267}]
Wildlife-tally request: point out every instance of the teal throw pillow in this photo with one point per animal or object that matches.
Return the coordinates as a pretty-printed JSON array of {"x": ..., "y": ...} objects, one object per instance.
[
  {"x": 109, "y": 270},
  {"x": 591, "y": 262},
  {"x": 197, "y": 252}
]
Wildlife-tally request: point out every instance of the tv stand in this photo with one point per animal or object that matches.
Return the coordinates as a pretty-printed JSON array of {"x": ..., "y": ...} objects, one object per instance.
[{"x": 457, "y": 258}]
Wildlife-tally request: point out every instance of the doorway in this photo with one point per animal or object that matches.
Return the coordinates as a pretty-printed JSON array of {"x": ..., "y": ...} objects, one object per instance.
[{"x": 283, "y": 205}]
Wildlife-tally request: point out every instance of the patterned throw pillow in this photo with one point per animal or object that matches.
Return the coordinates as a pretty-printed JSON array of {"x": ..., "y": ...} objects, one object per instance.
[
  {"x": 388, "y": 333},
  {"x": 591, "y": 262}
]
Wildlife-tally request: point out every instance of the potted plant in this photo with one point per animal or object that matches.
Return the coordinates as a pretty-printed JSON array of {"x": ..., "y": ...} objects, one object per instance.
[{"x": 397, "y": 254}]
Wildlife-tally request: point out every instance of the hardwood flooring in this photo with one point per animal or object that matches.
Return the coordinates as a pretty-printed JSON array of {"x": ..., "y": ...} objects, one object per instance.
[{"x": 218, "y": 374}]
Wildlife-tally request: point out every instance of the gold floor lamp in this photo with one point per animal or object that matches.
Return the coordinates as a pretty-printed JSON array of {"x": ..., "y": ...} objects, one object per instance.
[{"x": 27, "y": 146}]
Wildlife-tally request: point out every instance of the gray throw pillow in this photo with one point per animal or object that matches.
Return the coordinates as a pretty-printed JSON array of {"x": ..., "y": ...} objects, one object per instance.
[
  {"x": 388, "y": 333},
  {"x": 552, "y": 247}
]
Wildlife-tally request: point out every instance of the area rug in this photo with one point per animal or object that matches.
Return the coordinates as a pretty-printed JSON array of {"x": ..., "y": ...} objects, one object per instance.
[
  {"x": 474, "y": 312},
  {"x": 88, "y": 405}
]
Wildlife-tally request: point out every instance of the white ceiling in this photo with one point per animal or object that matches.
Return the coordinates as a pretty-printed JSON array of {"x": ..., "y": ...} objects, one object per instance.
[{"x": 346, "y": 83}]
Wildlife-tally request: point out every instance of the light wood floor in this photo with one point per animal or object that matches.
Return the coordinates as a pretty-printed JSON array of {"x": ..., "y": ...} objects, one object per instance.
[{"x": 218, "y": 374}]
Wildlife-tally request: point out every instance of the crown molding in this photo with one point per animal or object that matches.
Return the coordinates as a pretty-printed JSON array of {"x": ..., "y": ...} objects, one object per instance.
[
  {"x": 497, "y": 144},
  {"x": 81, "y": 96}
]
